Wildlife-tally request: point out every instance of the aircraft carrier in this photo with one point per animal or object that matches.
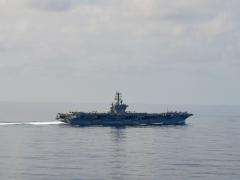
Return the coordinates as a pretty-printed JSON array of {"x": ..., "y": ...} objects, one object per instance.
[{"x": 118, "y": 116}]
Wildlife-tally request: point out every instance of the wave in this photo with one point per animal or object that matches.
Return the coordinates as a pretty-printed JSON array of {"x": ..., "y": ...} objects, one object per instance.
[{"x": 31, "y": 123}]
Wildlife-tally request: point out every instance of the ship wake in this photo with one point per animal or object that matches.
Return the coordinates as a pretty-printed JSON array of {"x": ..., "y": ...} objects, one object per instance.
[{"x": 31, "y": 123}]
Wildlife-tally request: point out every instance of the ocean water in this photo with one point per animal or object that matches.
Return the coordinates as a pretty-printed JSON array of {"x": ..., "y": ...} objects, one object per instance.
[{"x": 34, "y": 146}]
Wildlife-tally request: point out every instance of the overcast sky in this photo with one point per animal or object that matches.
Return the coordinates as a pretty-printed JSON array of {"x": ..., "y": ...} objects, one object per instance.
[{"x": 154, "y": 51}]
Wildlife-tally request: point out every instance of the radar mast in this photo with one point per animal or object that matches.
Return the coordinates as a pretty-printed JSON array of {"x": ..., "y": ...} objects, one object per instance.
[
  {"x": 118, "y": 97},
  {"x": 118, "y": 107}
]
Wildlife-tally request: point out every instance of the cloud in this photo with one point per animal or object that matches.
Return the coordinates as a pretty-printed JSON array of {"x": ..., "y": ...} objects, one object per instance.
[
  {"x": 118, "y": 39},
  {"x": 137, "y": 29},
  {"x": 58, "y": 5}
]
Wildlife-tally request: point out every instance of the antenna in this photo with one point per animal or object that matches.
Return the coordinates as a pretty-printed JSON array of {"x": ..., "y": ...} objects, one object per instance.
[{"x": 118, "y": 97}]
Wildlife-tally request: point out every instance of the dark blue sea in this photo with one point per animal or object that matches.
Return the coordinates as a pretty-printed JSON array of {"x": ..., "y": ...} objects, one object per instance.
[{"x": 34, "y": 146}]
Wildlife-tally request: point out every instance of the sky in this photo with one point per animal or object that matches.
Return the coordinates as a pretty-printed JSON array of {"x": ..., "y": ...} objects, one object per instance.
[{"x": 153, "y": 51}]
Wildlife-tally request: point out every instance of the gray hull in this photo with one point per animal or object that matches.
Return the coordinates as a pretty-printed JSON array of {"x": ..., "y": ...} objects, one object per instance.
[
  {"x": 118, "y": 116},
  {"x": 128, "y": 119}
]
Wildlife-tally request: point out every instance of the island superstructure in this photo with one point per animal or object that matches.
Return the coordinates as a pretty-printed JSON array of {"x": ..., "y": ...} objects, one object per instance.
[{"x": 118, "y": 116}]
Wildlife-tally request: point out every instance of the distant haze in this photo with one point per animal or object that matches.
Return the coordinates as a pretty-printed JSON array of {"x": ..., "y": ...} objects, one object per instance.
[{"x": 154, "y": 51}]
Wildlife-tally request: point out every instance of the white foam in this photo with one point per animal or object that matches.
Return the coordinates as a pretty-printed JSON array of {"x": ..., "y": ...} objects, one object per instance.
[
  {"x": 5, "y": 124},
  {"x": 31, "y": 123},
  {"x": 44, "y": 123}
]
